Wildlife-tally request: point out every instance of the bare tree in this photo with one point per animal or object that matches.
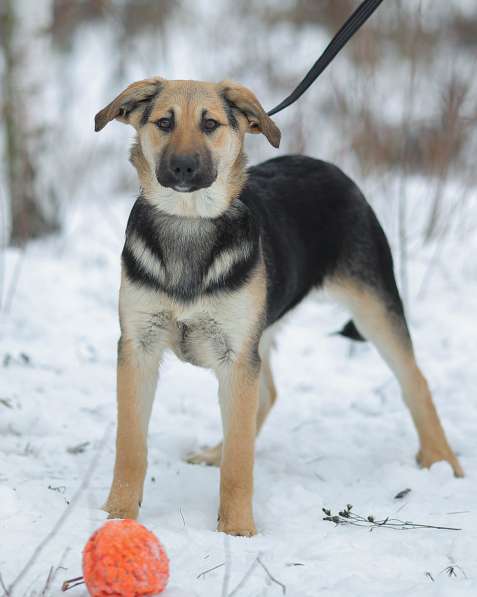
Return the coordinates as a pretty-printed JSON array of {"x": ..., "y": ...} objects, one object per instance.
[{"x": 25, "y": 36}]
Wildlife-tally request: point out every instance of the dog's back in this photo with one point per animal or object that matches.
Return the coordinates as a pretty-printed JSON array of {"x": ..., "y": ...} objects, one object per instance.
[{"x": 316, "y": 225}]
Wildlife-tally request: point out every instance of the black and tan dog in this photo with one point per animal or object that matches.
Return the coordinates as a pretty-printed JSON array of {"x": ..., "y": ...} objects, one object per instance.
[{"x": 216, "y": 254}]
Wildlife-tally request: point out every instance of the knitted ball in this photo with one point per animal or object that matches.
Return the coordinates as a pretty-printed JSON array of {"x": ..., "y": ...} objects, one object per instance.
[{"x": 124, "y": 559}]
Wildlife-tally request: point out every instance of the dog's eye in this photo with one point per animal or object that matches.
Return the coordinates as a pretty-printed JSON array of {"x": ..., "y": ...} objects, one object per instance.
[
  {"x": 210, "y": 124},
  {"x": 165, "y": 124}
]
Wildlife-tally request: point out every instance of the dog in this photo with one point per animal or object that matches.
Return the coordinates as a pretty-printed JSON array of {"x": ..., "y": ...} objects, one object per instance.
[{"x": 216, "y": 254}]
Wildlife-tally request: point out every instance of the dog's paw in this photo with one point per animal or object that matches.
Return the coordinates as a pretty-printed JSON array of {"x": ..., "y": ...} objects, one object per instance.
[
  {"x": 237, "y": 530},
  {"x": 121, "y": 509},
  {"x": 208, "y": 456},
  {"x": 426, "y": 457}
]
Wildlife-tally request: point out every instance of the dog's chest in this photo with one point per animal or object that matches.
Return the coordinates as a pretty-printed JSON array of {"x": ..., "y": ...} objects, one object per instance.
[
  {"x": 186, "y": 258},
  {"x": 204, "y": 338},
  {"x": 208, "y": 333},
  {"x": 186, "y": 248},
  {"x": 186, "y": 284}
]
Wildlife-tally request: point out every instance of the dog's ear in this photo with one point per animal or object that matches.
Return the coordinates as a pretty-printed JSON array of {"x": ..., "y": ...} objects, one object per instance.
[
  {"x": 128, "y": 101},
  {"x": 258, "y": 120}
]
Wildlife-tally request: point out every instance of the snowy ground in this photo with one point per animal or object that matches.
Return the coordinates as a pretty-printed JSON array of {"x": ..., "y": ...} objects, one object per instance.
[{"x": 339, "y": 434}]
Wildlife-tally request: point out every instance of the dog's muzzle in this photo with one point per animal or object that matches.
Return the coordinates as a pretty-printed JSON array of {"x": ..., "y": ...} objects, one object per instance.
[{"x": 186, "y": 172}]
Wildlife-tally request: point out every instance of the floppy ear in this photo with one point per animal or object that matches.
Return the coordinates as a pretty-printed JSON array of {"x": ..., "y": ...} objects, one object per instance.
[
  {"x": 127, "y": 101},
  {"x": 243, "y": 99}
]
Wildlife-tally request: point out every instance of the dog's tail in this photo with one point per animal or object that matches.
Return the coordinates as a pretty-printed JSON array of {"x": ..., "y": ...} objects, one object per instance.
[{"x": 349, "y": 330}]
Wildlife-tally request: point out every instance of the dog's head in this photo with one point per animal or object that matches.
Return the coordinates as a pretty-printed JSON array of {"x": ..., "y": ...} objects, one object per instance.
[{"x": 190, "y": 133}]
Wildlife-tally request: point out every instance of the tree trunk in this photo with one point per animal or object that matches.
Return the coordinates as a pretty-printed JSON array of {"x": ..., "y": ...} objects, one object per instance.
[{"x": 32, "y": 203}]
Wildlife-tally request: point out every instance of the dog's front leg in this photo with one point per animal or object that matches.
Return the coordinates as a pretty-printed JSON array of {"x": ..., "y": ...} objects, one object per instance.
[
  {"x": 239, "y": 395},
  {"x": 136, "y": 384}
]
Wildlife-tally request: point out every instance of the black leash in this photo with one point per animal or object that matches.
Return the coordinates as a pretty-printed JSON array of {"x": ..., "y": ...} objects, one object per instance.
[{"x": 355, "y": 21}]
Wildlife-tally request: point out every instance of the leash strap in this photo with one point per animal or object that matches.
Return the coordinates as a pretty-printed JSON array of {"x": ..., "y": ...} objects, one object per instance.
[{"x": 354, "y": 22}]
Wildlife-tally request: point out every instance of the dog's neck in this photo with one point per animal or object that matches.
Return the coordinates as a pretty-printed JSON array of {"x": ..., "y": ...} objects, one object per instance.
[{"x": 211, "y": 202}]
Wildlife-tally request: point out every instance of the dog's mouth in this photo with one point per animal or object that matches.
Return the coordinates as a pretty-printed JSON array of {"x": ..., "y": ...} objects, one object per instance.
[
  {"x": 186, "y": 187},
  {"x": 183, "y": 188}
]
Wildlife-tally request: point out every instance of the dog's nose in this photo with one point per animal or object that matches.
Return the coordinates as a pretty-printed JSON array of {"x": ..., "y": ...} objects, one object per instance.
[{"x": 184, "y": 167}]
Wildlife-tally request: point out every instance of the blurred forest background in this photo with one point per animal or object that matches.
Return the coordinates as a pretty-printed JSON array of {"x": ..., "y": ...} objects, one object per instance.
[{"x": 397, "y": 109}]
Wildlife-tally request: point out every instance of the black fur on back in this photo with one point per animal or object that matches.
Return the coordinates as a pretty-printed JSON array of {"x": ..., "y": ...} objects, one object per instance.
[{"x": 315, "y": 224}]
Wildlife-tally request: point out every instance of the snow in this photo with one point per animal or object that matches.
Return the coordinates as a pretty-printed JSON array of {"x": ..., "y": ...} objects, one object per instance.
[{"x": 339, "y": 434}]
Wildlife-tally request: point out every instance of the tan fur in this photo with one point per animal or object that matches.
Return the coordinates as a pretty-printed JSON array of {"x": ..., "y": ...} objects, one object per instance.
[
  {"x": 376, "y": 323},
  {"x": 268, "y": 393},
  {"x": 239, "y": 402},
  {"x": 239, "y": 394},
  {"x": 124, "y": 102},
  {"x": 136, "y": 385},
  {"x": 259, "y": 121}
]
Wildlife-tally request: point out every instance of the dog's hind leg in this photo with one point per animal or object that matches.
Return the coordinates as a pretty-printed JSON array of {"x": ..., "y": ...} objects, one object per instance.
[
  {"x": 379, "y": 317},
  {"x": 268, "y": 392}
]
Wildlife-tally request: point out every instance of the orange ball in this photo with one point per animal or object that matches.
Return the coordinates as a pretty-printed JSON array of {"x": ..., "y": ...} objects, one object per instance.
[{"x": 124, "y": 559}]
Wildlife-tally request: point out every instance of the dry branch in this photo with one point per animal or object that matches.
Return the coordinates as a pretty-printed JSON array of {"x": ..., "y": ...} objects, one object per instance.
[
  {"x": 272, "y": 578},
  {"x": 210, "y": 570},
  {"x": 346, "y": 516},
  {"x": 245, "y": 578}
]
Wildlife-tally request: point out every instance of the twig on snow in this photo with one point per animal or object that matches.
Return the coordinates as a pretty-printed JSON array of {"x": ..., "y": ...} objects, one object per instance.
[
  {"x": 210, "y": 570},
  {"x": 272, "y": 578},
  {"x": 182, "y": 516},
  {"x": 245, "y": 578},
  {"x": 451, "y": 570},
  {"x": 228, "y": 567},
  {"x": 48, "y": 581},
  {"x": 258, "y": 562},
  {"x": 53, "y": 572},
  {"x": 4, "y": 586},
  {"x": 71, "y": 583},
  {"x": 346, "y": 516},
  {"x": 78, "y": 449},
  {"x": 402, "y": 494}
]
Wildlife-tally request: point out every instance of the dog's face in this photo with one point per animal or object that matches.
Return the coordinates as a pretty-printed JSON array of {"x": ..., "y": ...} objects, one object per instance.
[{"x": 190, "y": 133}]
